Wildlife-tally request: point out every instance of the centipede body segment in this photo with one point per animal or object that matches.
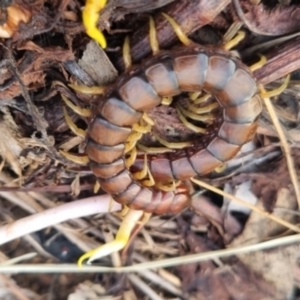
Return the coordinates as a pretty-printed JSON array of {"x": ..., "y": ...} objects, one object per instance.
[{"x": 170, "y": 73}]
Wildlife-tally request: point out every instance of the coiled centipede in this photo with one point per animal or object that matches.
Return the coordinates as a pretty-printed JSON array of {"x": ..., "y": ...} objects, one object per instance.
[
  {"x": 192, "y": 68},
  {"x": 170, "y": 73}
]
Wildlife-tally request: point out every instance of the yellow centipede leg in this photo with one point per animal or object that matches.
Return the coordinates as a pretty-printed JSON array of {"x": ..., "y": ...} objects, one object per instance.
[
  {"x": 140, "y": 128},
  {"x": 201, "y": 110},
  {"x": 78, "y": 159},
  {"x": 240, "y": 36},
  {"x": 126, "y": 53},
  {"x": 167, "y": 101},
  {"x": 258, "y": 64},
  {"x": 90, "y": 16},
  {"x": 221, "y": 168},
  {"x": 201, "y": 99},
  {"x": 131, "y": 141},
  {"x": 84, "y": 112},
  {"x": 152, "y": 36},
  {"x": 88, "y": 90},
  {"x": 76, "y": 130},
  {"x": 132, "y": 157},
  {"x": 143, "y": 173},
  {"x": 153, "y": 150},
  {"x": 97, "y": 187},
  {"x": 180, "y": 34},
  {"x": 150, "y": 181},
  {"x": 194, "y": 95},
  {"x": 196, "y": 116},
  {"x": 131, "y": 219},
  {"x": 188, "y": 124},
  {"x": 147, "y": 119},
  {"x": 167, "y": 187},
  {"x": 277, "y": 91},
  {"x": 171, "y": 145}
]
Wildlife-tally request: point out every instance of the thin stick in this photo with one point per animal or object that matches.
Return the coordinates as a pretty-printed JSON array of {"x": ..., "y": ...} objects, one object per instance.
[
  {"x": 165, "y": 263},
  {"x": 241, "y": 202},
  {"x": 285, "y": 147}
]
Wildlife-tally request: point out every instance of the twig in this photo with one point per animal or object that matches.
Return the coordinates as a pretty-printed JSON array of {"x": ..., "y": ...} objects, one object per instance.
[
  {"x": 165, "y": 263},
  {"x": 248, "y": 205},
  {"x": 285, "y": 147}
]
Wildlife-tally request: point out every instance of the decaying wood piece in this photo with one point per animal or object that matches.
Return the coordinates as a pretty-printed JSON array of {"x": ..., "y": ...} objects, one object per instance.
[
  {"x": 191, "y": 15},
  {"x": 281, "y": 61},
  {"x": 117, "y": 9}
]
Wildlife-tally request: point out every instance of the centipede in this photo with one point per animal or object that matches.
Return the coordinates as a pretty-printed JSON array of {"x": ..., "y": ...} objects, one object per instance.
[
  {"x": 170, "y": 73},
  {"x": 123, "y": 107}
]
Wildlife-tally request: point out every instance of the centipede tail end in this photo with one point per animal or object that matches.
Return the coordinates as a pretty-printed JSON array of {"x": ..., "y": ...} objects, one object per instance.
[{"x": 128, "y": 224}]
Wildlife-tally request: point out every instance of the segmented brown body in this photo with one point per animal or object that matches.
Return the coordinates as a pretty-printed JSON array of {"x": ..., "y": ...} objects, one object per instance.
[{"x": 139, "y": 90}]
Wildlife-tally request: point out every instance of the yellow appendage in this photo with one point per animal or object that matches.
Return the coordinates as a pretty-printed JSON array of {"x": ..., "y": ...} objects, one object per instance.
[
  {"x": 128, "y": 224},
  {"x": 90, "y": 16}
]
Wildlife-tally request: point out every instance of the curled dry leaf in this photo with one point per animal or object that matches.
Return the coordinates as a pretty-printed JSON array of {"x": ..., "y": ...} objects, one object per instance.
[
  {"x": 13, "y": 15},
  {"x": 12, "y": 145}
]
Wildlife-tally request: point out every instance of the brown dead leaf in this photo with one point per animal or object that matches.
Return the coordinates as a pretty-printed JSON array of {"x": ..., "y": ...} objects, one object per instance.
[
  {"x": 208, "y": 280},
  {"x": 275, "y": 265}
]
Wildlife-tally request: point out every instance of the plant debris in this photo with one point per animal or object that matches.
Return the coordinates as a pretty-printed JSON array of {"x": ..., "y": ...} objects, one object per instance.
[{"x": 44, "y": 49}]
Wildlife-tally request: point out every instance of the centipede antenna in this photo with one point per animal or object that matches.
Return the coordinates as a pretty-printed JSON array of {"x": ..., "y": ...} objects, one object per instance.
[
  {"x": 195, "y": 116},
  {"x": 262, "y": 61},
  {"x": 126, "y": 53},
  {"x": 240, "y": 36},
  {"x": 76, "y": 130},
  {"x": 171, "y": 145},
  {"x": 90, "y": 16},
  {"x": 84, "y": 112},
  {"x": 81, "y": 160},
  {"x": 153, "y": 37},
  {"x": 277, "y": 91},
  {"x": 88, "y": 90},
  {"x": 176, "y": 27},
  {"x": 167, "y": 101},
  {"x": 188, "y": 124}
]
